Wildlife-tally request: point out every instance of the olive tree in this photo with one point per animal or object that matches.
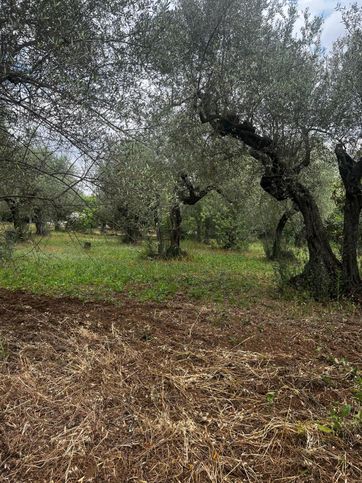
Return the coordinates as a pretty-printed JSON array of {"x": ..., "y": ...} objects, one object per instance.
[
  {"x": 130, "y": 188},
  {"x": 196, "y": 163},
  {"x": 36, "y": 185},
  {"x": 249, "y": 76},
  {"x": 68, "y": 73},
  {"x": 345, "y": 124}
]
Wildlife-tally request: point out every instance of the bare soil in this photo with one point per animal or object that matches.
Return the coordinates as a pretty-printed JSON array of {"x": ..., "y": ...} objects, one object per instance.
[{"x": 177, "y": 392}]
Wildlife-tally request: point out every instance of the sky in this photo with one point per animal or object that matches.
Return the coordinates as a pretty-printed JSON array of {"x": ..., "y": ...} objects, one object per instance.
[{"x": 333, "y": 27}]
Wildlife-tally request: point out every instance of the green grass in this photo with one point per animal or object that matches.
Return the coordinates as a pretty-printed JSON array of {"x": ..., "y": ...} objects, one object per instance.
[{"x": 59, "y": 265}]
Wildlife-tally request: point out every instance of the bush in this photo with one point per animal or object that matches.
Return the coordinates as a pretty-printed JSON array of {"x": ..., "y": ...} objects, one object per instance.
[
  {"x": 83, "y": 221},
  {"x": 287, "y": 268}
]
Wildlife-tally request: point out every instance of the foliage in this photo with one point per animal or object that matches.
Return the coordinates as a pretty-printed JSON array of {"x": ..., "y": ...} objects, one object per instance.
[{"x": 181, "y": 110}]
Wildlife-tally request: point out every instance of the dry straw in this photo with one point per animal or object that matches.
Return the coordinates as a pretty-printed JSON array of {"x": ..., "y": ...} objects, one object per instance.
[{"x": 145, "y": 398}]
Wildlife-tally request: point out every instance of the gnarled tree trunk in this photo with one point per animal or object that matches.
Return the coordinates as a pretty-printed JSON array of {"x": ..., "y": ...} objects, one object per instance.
[
  {"x": 351, "y": 174},
  {"x": 352, "y": 211},
  {"x": 322, "y": 272}
]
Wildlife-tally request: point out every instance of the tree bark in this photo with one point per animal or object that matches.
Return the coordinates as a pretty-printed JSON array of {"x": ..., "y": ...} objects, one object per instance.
[
  {"x": 57, "y": 226},
  {"x": 19, "y": 221},
  {"x": 103, "y": 227},
  {"x": 208, "y": 229},
  {"x": 351, "y": 174},
  {"x": 276, "y": 250},
  {"x": 158, "y": 227},
  {"x": 187, "y": 194},
  {"x": 322, "y": 273},
  {"x": 40, "y": 225},
  {"x": 352, "y": 211},
  {"x": 174, "y": 249}
]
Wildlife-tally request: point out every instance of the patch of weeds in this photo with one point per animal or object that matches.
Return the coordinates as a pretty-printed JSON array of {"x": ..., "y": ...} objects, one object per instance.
[
  {"x": 270, "y": 397},
  {"x": 338, "y": 416},
  {"x": 347, "y": 416},
  {"x": 150, "y": 249},
  {"x": 198, "y": 292},
  {"x": 146, "y": 336},
  {"x": 338, "y": 420},
  {"x": 342, "y": 364},
  {"x": 344, "y": 417},
  {"x": 285, "y": 270},
  {"x": 357, "y": 390},
  {"x": 158, "y": 292}
]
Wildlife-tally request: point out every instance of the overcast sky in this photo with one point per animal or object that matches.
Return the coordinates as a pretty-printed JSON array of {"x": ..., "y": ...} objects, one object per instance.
[{"x": 333, "y": 27}]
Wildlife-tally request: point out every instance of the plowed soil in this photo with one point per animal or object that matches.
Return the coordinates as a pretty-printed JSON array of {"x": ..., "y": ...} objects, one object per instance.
[{"x": 178, "y": 392}]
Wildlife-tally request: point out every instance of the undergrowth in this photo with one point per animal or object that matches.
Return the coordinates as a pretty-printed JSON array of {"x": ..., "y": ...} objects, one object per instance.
[{"x": 59, "y": 265}]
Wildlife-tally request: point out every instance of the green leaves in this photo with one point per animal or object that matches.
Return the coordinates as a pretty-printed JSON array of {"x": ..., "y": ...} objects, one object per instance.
[
  {"x": 324, "y": 429},
  {"x": 270, "y": 396}
]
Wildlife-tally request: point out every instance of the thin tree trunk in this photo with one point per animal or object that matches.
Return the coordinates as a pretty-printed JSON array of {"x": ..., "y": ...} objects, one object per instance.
[
  {"x": 158, "y": 226},
  {"x": 160, "y": 241},
  {"x": 103, "y": 228},
  {"x": 39, "y": 222},
  {"x": 132, "y": 234},
  {"x": 276, "y": 250},
  {"x": 40, "y": 228},
  {"x": 198, "y": 228},
  {"x": 187, "y": 194},
  {"x": 208, "y": 229},
  {"x": 175, "y": 233}
]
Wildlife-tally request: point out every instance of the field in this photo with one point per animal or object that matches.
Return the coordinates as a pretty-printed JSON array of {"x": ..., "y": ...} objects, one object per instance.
[
  {"x": 59, "y": 265},
  {"x": 119, "y": 368}
]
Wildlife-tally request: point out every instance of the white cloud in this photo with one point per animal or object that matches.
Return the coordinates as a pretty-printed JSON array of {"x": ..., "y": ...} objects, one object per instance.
[
  {"x": 332, "y": 27},
  {"x": 322, "y": 6},
  {"x": 317, "y": 6}
]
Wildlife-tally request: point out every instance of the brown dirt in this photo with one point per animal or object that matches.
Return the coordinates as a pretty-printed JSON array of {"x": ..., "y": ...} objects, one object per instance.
[{"x": 176, "y": 392}]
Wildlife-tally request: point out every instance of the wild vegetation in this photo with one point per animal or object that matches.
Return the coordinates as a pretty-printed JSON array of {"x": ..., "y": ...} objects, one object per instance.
[{"x": 180, "y": 240}]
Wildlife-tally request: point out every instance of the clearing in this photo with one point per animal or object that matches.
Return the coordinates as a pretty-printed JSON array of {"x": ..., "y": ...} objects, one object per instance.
[{"x": 196, "y": 370}]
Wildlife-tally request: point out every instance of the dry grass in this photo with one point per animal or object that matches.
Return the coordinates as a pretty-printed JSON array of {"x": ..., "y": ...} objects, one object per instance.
[{"x": 157, "y": 394}]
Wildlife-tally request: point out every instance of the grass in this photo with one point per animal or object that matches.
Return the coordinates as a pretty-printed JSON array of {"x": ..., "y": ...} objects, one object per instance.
[
  {"x": 59, "y": 265},
  {"x": 253, "y": 388}
]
